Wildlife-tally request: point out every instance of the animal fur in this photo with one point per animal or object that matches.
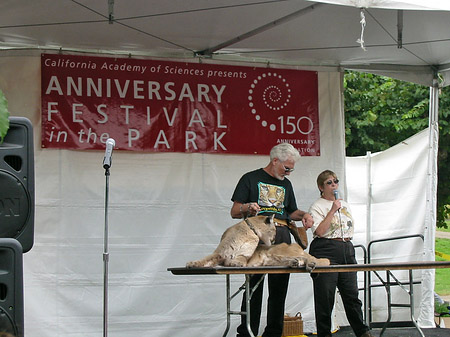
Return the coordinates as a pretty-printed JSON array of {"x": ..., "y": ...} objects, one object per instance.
[
  {"x": 286, "y": 255},
  {"x": 239, "y": 242}
]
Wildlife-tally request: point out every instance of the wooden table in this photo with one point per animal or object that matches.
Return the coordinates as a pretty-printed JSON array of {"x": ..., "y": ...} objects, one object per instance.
[{"x": 248, "y": 271}]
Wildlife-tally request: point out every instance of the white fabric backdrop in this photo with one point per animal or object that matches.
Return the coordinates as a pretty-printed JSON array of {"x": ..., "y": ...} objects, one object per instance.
[
  {"x": 165, "y": 209},
  {"x": 387, "y": 191}
]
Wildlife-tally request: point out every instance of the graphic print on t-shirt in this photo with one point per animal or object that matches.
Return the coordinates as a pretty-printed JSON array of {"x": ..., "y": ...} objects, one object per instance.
[
  {"x": 342, "y": 224},
  {"x": 348, "y": 220},
  {"x": 271, "y": 198}
]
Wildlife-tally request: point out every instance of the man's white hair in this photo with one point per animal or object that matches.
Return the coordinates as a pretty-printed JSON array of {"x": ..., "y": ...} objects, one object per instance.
[{"x": 284, "y": 151}]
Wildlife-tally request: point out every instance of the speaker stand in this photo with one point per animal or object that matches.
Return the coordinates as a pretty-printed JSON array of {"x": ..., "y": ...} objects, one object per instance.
[{"x": 105, "y": 259}]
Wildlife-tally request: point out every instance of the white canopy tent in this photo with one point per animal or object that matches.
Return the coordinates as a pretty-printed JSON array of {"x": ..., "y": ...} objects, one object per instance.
[
  {"x": 407, "y": 39},
  {"x": 401, "y": 39}
]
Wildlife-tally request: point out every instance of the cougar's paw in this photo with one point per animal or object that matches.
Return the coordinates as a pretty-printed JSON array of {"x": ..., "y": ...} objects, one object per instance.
[
  {"x": 310, "y": 266},
  {"x": 295, "y": 263},
  {"x": 192, "y": 264}
]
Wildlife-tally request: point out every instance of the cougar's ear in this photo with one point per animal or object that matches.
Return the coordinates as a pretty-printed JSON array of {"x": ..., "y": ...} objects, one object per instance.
[{"x": 269, "y": 219}]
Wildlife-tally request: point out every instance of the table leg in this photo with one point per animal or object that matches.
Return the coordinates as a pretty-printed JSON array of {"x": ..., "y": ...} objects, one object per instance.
[
  {"x": 248, "y": 297},
  {"x": 228, "y": 306}
]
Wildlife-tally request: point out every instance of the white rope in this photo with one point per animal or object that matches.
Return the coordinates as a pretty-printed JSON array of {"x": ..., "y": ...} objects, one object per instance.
[{"x": 363, "y": 25}]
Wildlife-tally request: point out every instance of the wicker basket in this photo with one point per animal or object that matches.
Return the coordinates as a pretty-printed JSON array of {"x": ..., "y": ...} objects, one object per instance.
[{"x": 293, "y": 325}]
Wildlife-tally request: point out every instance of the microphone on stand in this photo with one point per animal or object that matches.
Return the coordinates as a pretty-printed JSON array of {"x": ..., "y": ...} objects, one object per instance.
[{"x": 110, "y": 143}]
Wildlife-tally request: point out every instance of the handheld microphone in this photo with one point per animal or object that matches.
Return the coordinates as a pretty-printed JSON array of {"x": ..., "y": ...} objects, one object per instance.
[
  {"x": 110, "y": 143},
  {"x": 336, "y": 194},
  {"x": 336, "y": 197}
]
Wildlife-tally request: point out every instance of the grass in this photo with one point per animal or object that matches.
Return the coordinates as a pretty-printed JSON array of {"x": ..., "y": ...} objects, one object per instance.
[{"x": 442, "y": 275}]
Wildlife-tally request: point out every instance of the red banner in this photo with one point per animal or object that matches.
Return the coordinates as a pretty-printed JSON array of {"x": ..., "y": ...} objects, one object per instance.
[{"x": 162, "y": 106}]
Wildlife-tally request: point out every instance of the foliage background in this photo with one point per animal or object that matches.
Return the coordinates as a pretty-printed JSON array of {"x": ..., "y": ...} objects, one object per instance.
[
  {"x": 380, "y": 112},
  {"x": 4, "y": 115}
]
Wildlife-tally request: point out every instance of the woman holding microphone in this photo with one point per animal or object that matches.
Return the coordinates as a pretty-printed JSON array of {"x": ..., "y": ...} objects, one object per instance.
[{"x": 333, "y": 232}]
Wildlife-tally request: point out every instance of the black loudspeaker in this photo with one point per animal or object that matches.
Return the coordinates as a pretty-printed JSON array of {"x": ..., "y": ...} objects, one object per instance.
[
  {"x": 17, "y": 183},
  {"x": 11, "y": 287}
]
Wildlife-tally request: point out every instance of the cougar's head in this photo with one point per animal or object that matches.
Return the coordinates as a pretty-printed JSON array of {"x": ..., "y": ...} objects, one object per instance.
[{"x": 267, "y": 230}]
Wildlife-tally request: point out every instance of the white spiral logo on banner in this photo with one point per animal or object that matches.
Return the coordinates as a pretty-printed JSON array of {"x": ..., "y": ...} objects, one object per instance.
[{"x": 274, "y": 92}]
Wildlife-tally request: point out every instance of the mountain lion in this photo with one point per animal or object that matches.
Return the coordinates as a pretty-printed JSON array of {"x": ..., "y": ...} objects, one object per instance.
[
  {"x": 283, "y": 254},
  {"x": 239, "y": 242},
  {"x": 239, "y": 247}
]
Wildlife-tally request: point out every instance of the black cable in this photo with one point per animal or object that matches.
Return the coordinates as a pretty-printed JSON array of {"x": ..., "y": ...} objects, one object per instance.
[{"x": 11, "y": 321}]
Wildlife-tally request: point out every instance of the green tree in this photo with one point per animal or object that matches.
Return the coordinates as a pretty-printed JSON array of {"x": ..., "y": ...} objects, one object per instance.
[
  {"x": 381, "y": 112},
  {"x": 4, "y": 115}
]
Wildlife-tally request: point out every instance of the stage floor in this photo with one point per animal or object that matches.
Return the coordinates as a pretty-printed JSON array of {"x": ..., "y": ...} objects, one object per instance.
[{"x": 395, "y": 332}]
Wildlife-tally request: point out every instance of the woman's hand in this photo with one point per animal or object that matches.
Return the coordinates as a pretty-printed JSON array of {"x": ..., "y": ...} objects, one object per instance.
[
  {"x": 307, "y": 220},
  {"x": 336, "y": 205}
]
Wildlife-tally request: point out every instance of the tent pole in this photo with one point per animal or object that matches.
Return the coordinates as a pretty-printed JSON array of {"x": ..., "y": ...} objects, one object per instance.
[
  {"x": 426, "y": 317},
  {"x": 369, "y": 196}
]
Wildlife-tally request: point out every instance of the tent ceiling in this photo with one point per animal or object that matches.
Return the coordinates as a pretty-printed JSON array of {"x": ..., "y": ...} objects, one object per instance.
[{"x": 308, "y": 34}]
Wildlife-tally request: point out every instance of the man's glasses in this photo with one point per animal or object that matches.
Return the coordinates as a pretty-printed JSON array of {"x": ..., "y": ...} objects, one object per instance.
[
  {"x": 287, "y": 169},
  {"x": 329, "y": 182}
]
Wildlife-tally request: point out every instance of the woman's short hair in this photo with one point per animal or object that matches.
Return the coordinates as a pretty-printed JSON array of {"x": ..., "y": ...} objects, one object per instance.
[{"x": 323, "y": 176}]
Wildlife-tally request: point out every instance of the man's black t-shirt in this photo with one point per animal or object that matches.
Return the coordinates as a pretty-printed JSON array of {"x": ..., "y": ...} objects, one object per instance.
[{"x": 271, "y": 194}]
